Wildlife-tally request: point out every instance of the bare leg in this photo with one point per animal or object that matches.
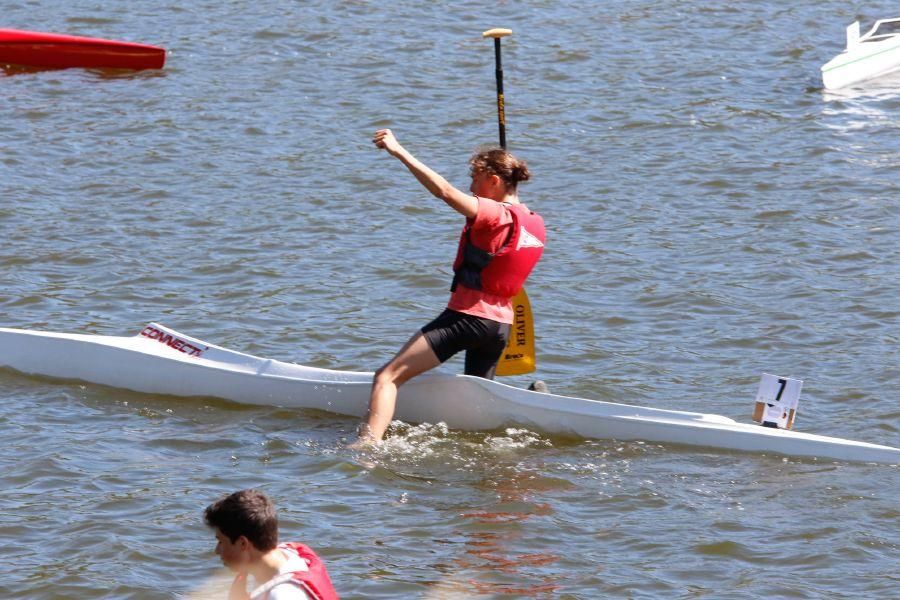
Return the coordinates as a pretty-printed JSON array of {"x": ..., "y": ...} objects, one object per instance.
[{"x": 414, "y": 358}]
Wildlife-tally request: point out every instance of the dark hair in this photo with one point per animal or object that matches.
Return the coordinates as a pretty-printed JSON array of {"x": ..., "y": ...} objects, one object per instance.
[
  {"x": 247, "y": 513},
  {"x": 501, "y": 163}
]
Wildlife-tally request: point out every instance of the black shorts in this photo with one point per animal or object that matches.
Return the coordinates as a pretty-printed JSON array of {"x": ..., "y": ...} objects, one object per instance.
[{"x": 482, "y": 339}]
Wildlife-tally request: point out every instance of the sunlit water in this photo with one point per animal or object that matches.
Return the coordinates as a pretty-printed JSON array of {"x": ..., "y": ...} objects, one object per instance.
[{"x": 712, "y": 214}]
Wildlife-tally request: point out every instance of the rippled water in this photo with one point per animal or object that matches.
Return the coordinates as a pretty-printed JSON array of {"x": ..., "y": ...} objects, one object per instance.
[{"x": 713, "y": 214}]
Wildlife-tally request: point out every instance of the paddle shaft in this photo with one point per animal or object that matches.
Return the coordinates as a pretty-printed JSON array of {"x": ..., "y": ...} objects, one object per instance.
[
  {"x": 498, "y": 62},
  {"x": 501, "y": 113}
]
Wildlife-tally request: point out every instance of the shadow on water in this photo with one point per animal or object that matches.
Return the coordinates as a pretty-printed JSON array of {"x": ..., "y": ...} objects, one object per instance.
[
  {"x": 8, "y": 70},
  {"x": 485, "y": 540}
]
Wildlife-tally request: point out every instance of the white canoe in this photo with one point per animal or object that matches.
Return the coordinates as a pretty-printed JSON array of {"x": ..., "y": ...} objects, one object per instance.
[
  {"x": 162, "y": 361},
  {"x": 868, "y": 56}
]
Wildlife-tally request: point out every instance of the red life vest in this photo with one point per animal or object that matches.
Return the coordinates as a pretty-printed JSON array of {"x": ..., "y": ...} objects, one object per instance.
[
  {"x": 315, "y": 581},
  {"x": 502, "y": 273}
]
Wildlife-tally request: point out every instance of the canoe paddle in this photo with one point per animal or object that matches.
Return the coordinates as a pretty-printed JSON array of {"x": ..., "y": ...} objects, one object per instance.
[
  {"x": 518, "y": 357},
  {"x": 497, "y": 34}
]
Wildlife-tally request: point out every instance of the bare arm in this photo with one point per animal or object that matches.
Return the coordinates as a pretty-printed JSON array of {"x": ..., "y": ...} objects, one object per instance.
[{"x": 439, "y": 187}]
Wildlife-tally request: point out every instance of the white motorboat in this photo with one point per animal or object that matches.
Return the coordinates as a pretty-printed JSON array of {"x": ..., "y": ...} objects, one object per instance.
[
  {"x": 160, "y": 360},
  {"x": 871, "y": 55}
]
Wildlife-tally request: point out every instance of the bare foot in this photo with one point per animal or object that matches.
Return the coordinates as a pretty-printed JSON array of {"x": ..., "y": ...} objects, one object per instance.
[{"x": 365, "y": 438}]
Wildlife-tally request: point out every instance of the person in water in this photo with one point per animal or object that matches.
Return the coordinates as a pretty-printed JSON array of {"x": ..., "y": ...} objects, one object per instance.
[
  {"x": 246, "y": 528},
  {"x": 500, "y": 244}
]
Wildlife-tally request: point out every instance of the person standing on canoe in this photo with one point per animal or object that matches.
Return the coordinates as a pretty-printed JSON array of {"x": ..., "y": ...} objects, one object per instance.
[
  {"x": 246, "y": 528},
  {"x": 500, "y": 244}
]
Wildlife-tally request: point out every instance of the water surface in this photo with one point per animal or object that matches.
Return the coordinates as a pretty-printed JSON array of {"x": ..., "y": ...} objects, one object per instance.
[{"x": 712, "y": 213}]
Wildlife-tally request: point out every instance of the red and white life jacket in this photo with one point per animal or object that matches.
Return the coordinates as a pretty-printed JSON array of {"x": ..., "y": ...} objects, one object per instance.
[
  {"x": 314, "y": 581},
  {"x": 502, "y": 273}
]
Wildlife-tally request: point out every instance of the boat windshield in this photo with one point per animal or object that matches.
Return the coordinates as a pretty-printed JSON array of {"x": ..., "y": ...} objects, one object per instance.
[{"x": 884, "y": 29}]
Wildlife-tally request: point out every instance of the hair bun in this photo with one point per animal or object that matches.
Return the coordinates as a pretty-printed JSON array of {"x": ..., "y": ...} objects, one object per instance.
[
  {"x": 499, "y": 162},
  {"x": 520, "y": 172}
]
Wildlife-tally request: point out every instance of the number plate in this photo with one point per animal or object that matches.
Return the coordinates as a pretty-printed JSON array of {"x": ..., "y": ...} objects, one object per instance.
[{"x": 776, "y": 401}]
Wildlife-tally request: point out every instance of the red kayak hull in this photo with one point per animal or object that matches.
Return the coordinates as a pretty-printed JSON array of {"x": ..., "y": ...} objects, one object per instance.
[{"x": 57, "y": 51}]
